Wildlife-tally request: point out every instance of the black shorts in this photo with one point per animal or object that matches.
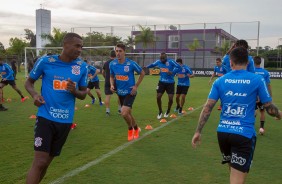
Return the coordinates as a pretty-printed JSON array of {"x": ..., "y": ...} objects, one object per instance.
[
  {"x": 107, "y": 90},
  {"x": 127, "y": 100},
  {"x": 168, "y": 87},
  {"x": 50, "y": 136},
  {"x": 6, "y": 82},
  {"x": 95, "y": 84},
  {"x": 259, "y": 106},
  {"x": 182, "y": 89},
  {"x": 237, "y": 150}
]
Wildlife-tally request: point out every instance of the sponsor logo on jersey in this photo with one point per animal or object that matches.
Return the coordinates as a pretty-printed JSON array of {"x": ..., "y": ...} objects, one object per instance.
[
  {"x": 126, "y": 68},
  {"x": 60, "y": 85},
  {"x": 235, "y": 110},
  {"x": 37, "y": 142},
  {"x": 75, "y": 70},
  {"x": 181, "y": 75},
  {"x": 237, "y": 81},
  {"x": 59, "y": 113},
  {"x": 238, "y": 160},
  {"x": 227, "y": 122},
  {"x": 231, "y": 93},
  {"x": 164, "y": 69},
  {"x": 51, "y": 59},
  {"x": 122, "y": 77}
]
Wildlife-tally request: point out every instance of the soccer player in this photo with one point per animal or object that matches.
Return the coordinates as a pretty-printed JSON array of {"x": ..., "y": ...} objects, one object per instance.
[
  {"x": 64, "y": 78},
  {"x": 93, "y": 82},
  {"x": 236, "y": 133},
  {"x": 218, "y": 70},
  {"x": 168, "y": 68},
  {"x": 266, "y": 76},
  {"x": 7, "y": 78},
  {"x": 106, "y": 74},
  {"x": 183, "y": 85},
  {"x": 122, "y": 73},
  {"x": 226, "y": 58}
]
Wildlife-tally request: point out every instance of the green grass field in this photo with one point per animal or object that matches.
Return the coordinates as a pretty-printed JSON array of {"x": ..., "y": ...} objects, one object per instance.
[{"x": 161, "y": 155}]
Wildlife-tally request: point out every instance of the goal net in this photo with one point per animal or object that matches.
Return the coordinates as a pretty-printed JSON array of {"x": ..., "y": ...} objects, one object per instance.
[{"x": 96, "y": 55}]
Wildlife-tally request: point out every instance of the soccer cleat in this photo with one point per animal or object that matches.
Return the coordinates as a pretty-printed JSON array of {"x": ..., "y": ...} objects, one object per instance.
[
  {"x": 160, "y": 115},
  {"x": 219, "y": 108},
  {"x": 119, "y": 111},
  {"x": 23, "y": 99},
  {"x": 3, "y": 108},
  {"x": 93, "y": 100},
  {"x": 101, "y": 103},
  {"x": 136, "y": 133},
  {"x": 108, "y": 113},
  {"x": 261, "y": 131},
  {"x": 130, "y": 135},
  {"x": 176, "y": 109}
]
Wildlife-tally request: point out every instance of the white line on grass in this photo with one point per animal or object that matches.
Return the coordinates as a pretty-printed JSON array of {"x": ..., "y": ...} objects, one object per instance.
[{"x": 101, "y": 158}]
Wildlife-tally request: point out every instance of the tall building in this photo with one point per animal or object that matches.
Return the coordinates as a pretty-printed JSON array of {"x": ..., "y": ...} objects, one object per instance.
[{"x": 43, "y": 26}]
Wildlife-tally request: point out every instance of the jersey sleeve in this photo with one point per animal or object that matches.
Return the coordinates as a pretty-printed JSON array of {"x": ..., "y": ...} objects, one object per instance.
[
  {"x": 214, "y": 92},
  {"x": 136, "y": 67},
  {"x": 264, "y": 95},
  {"x": 38, "y": 69},
  {"x": 10, "y": 71},
  {"x": 153, "y": 64}
]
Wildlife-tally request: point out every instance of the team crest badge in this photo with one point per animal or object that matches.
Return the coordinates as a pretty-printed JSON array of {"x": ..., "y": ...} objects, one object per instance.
[
  {"x": 126, "y": 68},
  {"x": 75, "y": 70},
  {"x": 167, "y": 63},
  {"x": 38, "y": 142},
  {"x": 51, "y": 59},
  {"x": 79, "y": 62}
]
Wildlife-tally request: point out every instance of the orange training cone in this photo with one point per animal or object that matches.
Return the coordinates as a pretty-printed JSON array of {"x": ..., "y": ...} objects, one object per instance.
[
  {"x": 190, "y": 108},
  {"x": 32, "y": 116},
  {"x": 183, "y": 112},
  {"x": 173, "y": 116},
  {"x": 87, "y": 105},
  {"x": 148, "y": 127},
  {"x": 9, "y": 99},
  {"x": 163, "y": 120}
]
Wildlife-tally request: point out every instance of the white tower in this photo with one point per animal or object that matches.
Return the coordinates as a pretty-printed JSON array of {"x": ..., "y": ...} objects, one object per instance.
[{"x": 43, "y": 26}]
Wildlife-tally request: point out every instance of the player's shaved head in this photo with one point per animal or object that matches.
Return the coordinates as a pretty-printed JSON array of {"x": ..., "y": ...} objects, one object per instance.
[{"x": 70, "y": 36}]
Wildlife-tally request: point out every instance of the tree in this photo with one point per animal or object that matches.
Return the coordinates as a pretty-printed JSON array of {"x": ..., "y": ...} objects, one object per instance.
[
  {"x": 129, "y": 42},
  {"x": 31, "y": 37},
  {"x": 16, "y": 48},
  {"x": 223, "y": 48},
  {"x": 2, "y": 49},
  {"x": 146, "y": 37},
  {"x": 56, "y": 39},
  {"x": 193, "y": 48}
]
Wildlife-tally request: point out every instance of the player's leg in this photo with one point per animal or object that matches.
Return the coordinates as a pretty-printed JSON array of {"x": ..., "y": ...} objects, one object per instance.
[
  {"x": 183, "y": 97},
  {"x": 14, "y": 86},
  {"x": 39, "y": 167},
  {"x": 98, "y": 91},
  {"x": 177, "y": 98},
  {"x": 160, "y": 91},
  {"x": 237, "y": 177},
  {"x": 108, "y": 94},
  {"x": 170, "y": 91},
  {"x": 89, "y": 87},
  {"x": 2, "y": 108}
]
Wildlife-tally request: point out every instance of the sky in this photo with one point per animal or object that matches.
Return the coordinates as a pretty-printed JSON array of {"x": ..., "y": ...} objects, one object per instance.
[{"x": 247, "y": 16}]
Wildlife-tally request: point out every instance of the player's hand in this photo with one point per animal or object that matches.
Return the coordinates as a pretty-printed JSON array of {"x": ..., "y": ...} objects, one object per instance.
[
  {"x": 196, "y": 140},
  {"x": 4, "y": 79},
  {"x": 71, "y": 86},
  {"x": 113, "y": 89},
  {"x": 38, "y": 100},
  {"x": 134, "y": 90}
]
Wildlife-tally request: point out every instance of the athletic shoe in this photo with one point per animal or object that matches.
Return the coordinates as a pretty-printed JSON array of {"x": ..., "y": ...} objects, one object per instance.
[
  {"x": 160, "y": 115},
  {"x": 101, "y": 103},
  {"x": 176, "y": 109},
  {"x": 93, "y": 100},
  {"x": 166, "y": 114},
  {"x": 219, "y": 108},
  {"x": 261, "y": 131},
  {"x": 3, "y": 108},
  {"x": 130, "y": 135},
  {"x": 23, "y": 99},
  {"x": 119, "y": 111},
  {"x": 108, "y": 113},
  {"x": 180, "y": 111},
  {"x": 136, "y": 133}
]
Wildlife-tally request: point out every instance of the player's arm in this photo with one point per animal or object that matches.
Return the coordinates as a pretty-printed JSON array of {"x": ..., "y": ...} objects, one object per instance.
[
  {"x": 29, "y": 86},
  {"x": 112, "y": 83},
  {"x": 10, "y": 73},
  {"x": 204, "y": 116},
  {"x": 212, "y": 77},
  {"x": 272, "y": 110},
  {"x": 140, "y": 79}
]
